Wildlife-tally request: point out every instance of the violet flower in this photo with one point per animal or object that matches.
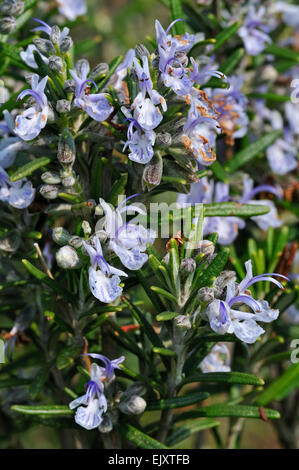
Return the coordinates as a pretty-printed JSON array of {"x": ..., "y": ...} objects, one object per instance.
[{"x": 30, "y": 122}]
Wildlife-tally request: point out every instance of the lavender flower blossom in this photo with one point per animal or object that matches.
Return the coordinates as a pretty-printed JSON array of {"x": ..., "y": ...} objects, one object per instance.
[
  {"x": 172, "y": 58},
  {"x": 28, "y": 56},
  {"x": 254, "y": 31},
  {"x": 217, "y": 361},
  {"x": 104, "y": 279},
  {"x": 127, "y": 240},
  {"x": 90, "y": 415},
  {"x": 30, "y": 122},
  {"x": 71, "y": 9},
  {"x": 223, "y": 318},
  {"x": 18, "y": 194},
  {"x": 110, "y": 366},
  {"x": 96, "y": 105},
  {"x": 9, "y": 146},
  {"x": 145, "y": 105},
  {"x": 140, "y": 142},
  {"x": 271, "y": 218}
]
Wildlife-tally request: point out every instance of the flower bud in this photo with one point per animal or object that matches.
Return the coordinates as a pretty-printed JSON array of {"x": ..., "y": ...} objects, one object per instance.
[
  {"x": 55, "y": 64},
  {"x": 206, "y": 294},
  {"x": 67, "y": 258},
  {"x": 49, "y": 177},
  {"x": 141, "y": 51},
  {"x": 48, "y": 191},
  {"x": 82, "y": 66},
  {"x": 86, "y": 227},
  {"x": 66, "y": 148},
  {"x": 55, "y": 34},
  {"x": 11, "y": 241},
  {"x": 60, "y": 236},
  {"x": 100, "y": 69},
  {"x": 7, "y": 24},
  {"x": 152, "y": 173},
  {"x": 66, "y": 44},
  {"x": 163, "y": 139},
  {"x": 44, "y": 46},
  {"x": 63, "y": 106},
  {"x": 224, "y": 278},
  {"x": 188, "y": 266},
  {"x": 69, "y": 86},
  {"x": 207, "y": 247},
  {"x": 68, "y": 182},
  {"x": 75, "y": 241},
  {"x": 134, "y": 405},
  {"x": 106, "y": 425},
  {"x": 182, "y": 322},
  {"x": 11, "y": 7},
  {"x": 137, "y": 388}
]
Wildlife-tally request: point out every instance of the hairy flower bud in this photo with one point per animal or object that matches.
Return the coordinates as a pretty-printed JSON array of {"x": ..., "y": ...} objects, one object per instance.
[
  {"x": 207, "y": 247},
  {"x": 12, "y": 7},
  {"x": 7, "y": 25},
  {"x": 63, "y": 106},
  {"x": 134, "y": 405},
  {"x": 182, "y": 322},
  {"x": 55, "y": 34},
  {"x": 55, "y": 64},
  {"x": 50, "y": 177},
  {"x": 67, "y": 258},
  {"x": 86, "y": 227},
  {"x": 68, "y": 182},
  {"x": 69, "y": 86},
  {"x": 106, "y": 425},
  {"x": 49, "y": 191},
  {"x": 82, "y": 65},
  {"x": 66, "y": 44},
  {"x": 76, "y": 241},
  {"x": 188, "y": 266},
  {"x": 163, "y": 139},
  {"x": 44, "y": 46},
  {"x": 152, "y": 173},
  {"x": 141, "y": 51},
  {"x": 66, "y": 148},
  {"x": 224, "y": 278},
  {"x": 206, "y": 294},
  {"x": 60, "y": 236},
  {"x": 100, "y": 69},
  {"x": 11, "y": 241}
]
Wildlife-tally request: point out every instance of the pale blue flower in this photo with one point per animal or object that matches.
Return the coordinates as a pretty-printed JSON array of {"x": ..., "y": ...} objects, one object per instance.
[
  {"x": 249, "y": 192},
  {"x": 71, "y": 9},
  {"x": 104, "y": 279},
  {"x": 225, "y": 318},
  {"x": 30, "y": 122},
  {"x": 128, "y": 240},
  {"x": 110, "y": 366},
  {"x": 218, "y": 360},
  {"x": 254, "y": 32},
  {"x": 172, "y": 50},
  {"x": 96, "y": 105},
  {"x": 199, "y": 137},
  {"x": 9, "y": 146},
  {"x": 146, "y": 104},
  {"x": 290, "y": 13},
  {"x": 94, "y": 402},
  {"x": 140, "y": 142},
  {"x": 18, "y": 194},
  {"x": 28, "y": 57}
]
